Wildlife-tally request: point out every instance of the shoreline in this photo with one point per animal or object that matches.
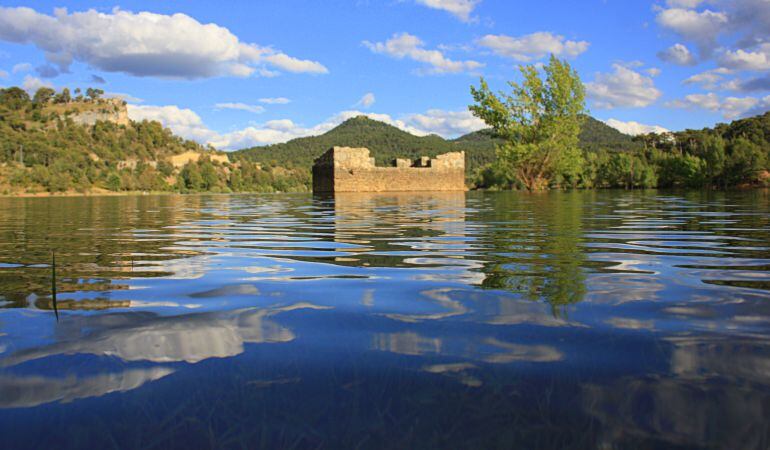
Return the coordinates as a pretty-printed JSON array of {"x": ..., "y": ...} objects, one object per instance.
[{"x": 156, "y": 193}]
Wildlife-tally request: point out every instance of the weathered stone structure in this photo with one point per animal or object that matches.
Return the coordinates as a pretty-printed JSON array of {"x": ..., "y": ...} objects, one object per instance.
[{"x": 345, "y": 169}]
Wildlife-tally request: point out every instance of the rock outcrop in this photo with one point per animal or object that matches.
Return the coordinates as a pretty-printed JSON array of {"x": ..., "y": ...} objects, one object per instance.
[{"x": 108, "y": 110}]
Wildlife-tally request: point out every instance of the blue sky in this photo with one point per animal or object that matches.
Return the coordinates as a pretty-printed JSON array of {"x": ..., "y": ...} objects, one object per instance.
[{"x": 243, "y": 73}]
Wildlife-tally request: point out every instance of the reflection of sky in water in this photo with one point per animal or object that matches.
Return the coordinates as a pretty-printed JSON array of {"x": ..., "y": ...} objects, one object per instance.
[{"x": 597, "y": 319}]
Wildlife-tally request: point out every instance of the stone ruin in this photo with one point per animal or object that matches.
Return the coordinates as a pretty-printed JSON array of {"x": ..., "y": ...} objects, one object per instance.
[{"x": 346, "y": 169}]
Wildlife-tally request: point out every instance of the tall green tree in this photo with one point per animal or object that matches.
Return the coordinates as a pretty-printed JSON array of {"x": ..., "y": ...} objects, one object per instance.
[
  {"x": 43, "y": 95},
  {"x": 538, "y": 122}
]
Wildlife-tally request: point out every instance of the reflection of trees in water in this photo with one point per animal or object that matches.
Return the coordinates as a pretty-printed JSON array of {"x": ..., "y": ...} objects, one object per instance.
[
  {"x": 95, "y": 239},
  {"x": 535, "y": 245}
]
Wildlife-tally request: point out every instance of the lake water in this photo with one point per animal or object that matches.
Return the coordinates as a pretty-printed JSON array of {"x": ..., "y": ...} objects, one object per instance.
[{"x": 602, "y": 319}]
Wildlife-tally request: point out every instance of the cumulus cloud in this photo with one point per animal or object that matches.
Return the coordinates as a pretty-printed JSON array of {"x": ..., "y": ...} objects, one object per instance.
[
  {"x": 22, "y": 67},
  {"x": 182, "y": 121},
  {"x": 700, "y": 27},
  {"x": 678, "y": 54},
  {"x": 709, "y": 80},
  {"x": 461, "y": 9},
  {"x": 757, "y": 59},
  {"x": 683, "y": 3},
  {"x": 143, "y": 44},
  {"x": 445, "y": 123},
  {"x": 653, "y": 71},
  {"x": 532, "y": 46},
  {"x": 188, "y": 124},
  {"x": 624, "y": 87},
  {"x": 738, "y": 31},
  {"x": 274, "y": 100},
  {"x": 3, "y": 74},
  {"x": 405, "y": 45},
  {"x": 366, "y": 101},
  {"x": 729, "y": 107},
  {"x": 708, "y": 101},
  {"x": 32, "y": 84},
  {"x": 256, "y": 109},
  {"x": 125, "y": 97},
  {"x": 634, "y": 128}
]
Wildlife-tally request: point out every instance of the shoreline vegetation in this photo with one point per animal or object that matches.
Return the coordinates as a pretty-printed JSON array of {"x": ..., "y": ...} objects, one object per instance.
[{"x": 540, "y": 137}]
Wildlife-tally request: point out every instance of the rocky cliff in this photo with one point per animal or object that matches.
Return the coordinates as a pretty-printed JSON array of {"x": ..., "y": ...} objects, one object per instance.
[{"x": 109, "y": 110}]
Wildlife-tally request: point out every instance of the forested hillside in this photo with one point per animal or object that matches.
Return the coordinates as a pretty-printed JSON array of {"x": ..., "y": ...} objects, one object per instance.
[
  {"x": 45, "y": 146},
  {"x": 388, "y": 142},
  {"x": 385, "y": 141}
]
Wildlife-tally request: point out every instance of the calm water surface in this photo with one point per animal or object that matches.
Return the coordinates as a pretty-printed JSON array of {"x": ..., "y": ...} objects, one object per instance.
[{"x": 561, "y": 320}]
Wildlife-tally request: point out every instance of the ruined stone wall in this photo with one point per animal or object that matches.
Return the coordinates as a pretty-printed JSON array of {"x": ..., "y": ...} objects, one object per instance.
[{"x": 344, "y": 169}]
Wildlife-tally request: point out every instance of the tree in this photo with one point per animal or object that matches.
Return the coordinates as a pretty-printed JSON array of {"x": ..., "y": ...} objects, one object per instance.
[
  {"x": 63, "y": 97},
  {"x": 539, "y": 123},
  {"x": 14, "y": 98},
  {"x": 113, "y": 182},
  {"x": 43, "y": 95},
  {"x": 94, "y": 94}
]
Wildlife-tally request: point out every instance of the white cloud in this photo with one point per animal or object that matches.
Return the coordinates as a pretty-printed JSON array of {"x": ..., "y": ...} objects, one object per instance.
[
  {"x": 275, "y": 100},
  {"x": 622, "y": 88},
  {"x": 445, "y": 123},
  {"x": 125, "y": 97},
  {"x": 634, "y": 128},
  {"x": 184, "y": 122},
  {"x": 762, "y": 106},
  {"x": 738, "y": 31},
  {"x": 708, "y": 101},
  {"x": 678, "y": 54},
  {"x": 757, "y": 59},
  {"x": 256, "y": 109},
  {"x": 461, "y": 9},
  {"x": 700, "y": 27},
  {"x": 533, "y": 46},
  {"x": 22, "y": 67},
  {"x": 729, "y": 107},
  {"x": 653, "y": 72},
  {"x": 143, "y": 44},
  {"x": 709, "y": 80},
  {"x": 188, "y": 124},
  {"x": 366, "y": 101},
  {"x": 405, "y": 45},
  {"x": 290, "y": 64},
  {"x": 683, "y": 3},
  {"x": 32, "y": 84},
  {"x": 3, "y": 74}
]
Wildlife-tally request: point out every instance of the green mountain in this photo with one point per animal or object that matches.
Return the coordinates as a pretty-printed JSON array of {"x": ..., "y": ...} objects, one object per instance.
[
  {"x": 388, "y": 142},
  {"x": 385, "y": 141},
  {"x": 597, "y": 135}
]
